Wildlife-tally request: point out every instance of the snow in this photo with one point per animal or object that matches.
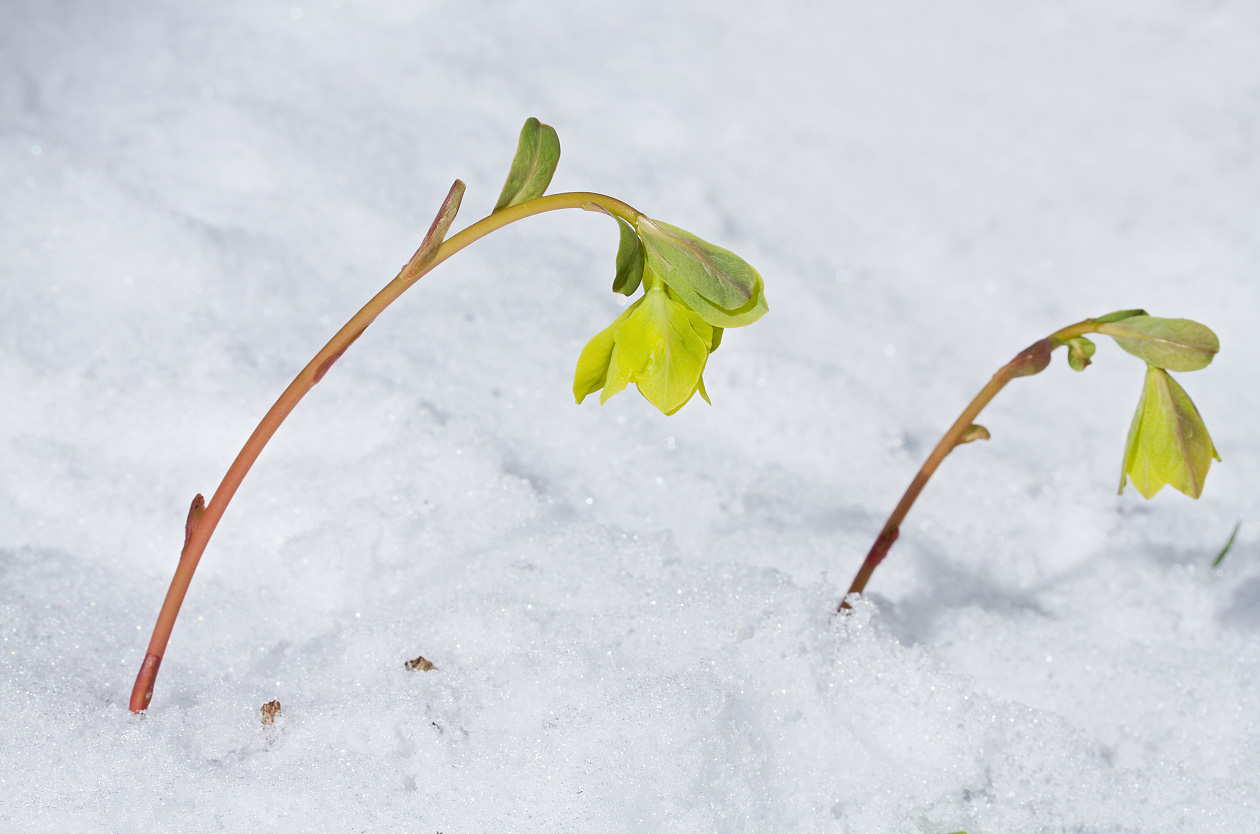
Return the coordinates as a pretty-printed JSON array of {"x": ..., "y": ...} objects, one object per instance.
[{"x": 630, "y": 615}]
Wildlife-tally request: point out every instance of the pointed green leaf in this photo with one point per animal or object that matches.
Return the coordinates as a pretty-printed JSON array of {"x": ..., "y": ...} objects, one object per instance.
[
  {"x": 1080, "y": 350},
  {"x": 717, "y": 339},
  {"x": 1172, "y": 344},
  {"x": 1167, "y": 443},
  {"x": 1220, "y": 557},
  {"x": 719, "y": 275},
  {"x": 717, "y": 284},
  {"x": 1119, "y": 315},
  {"x": 537, "y": 154},
  {"x": 629, "y": 260}
]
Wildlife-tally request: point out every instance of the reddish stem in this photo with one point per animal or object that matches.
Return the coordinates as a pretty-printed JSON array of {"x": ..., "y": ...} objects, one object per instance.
[
  {"x": 1031, "y": 360},
  {"x": 202, "y": 523}
]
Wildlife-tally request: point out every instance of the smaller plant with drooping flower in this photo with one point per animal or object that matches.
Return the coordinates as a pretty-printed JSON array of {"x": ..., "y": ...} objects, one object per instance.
[
  {"x": 1168, "y": 445},
  {"x": 693, "y": 290}
]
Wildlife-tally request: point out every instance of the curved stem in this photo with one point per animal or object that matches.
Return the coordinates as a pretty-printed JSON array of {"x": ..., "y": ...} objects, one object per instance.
[
  {"x": 1033, "y": 359},
  {"x": 202, "y": 522}
]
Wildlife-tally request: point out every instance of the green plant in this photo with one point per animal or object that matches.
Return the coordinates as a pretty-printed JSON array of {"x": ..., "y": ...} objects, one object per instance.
[
  {"x": 1229, "y": 545},
  {"x": 1167, "y": 444},
  {"x": 693, "y": 290}
]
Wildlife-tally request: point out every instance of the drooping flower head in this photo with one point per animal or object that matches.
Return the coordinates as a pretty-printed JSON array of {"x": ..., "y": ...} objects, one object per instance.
[
  {"x": 1168, "y": 443},
  {"x": 692, "y": 291}
]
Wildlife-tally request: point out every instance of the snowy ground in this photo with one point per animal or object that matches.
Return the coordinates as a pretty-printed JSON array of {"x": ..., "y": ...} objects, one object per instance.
[{"x": 629, "y": 614}]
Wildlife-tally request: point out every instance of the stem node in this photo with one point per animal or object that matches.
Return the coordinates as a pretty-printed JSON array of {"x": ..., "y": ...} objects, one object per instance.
[{"x": 194, "y": 515}]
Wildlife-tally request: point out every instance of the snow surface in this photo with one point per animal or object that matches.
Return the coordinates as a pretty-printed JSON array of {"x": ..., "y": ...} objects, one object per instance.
[{"x": 630, "y": 615}]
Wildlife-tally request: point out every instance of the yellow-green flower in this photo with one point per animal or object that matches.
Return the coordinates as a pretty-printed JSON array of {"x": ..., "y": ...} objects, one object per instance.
[
  {"x": 1168, "y": 443},
  {"x": 659, "y": 343},
  {"x": 692, "y": 291}
]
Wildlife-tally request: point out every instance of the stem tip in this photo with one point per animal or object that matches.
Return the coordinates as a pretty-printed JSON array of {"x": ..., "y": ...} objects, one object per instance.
[{"x": 142, "y": 693}]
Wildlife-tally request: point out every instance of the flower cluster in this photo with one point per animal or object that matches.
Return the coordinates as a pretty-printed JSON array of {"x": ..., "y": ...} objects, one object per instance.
[
  {"x": 692, "y": 291},
  {"x": 1168, "y": 443}
]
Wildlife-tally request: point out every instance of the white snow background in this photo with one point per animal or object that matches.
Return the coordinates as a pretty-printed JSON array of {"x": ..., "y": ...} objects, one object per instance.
[{"x": 630, "y": 615}]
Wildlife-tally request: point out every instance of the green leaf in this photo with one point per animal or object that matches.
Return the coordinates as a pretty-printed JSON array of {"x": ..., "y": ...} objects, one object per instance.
[
  {"x": 537, "y": 154},
  {"x": 1167, "y": 443},
  {"x": 1220, "y": 557},
  {"x": 629, "y": 260},
  {"x": 717, "y": 284},
  {"x": 1172, "y": 344},
  {"x": 1119, "y": 315},
  {"x": 1080, "y": 350}
]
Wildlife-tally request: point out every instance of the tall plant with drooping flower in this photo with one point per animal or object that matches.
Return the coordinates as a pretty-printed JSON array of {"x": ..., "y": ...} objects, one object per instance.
[
  {"x": 1168, "y": 445},
  {"x": 661, "y": 343}
]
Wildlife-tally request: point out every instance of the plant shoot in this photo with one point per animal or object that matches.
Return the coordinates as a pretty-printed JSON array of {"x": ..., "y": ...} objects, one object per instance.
[
  {"x": 661, "y": 343},
  {"x": 1167, "y": 444}
]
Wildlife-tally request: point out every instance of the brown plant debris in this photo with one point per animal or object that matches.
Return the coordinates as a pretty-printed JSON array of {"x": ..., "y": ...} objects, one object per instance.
[
  {"x": 420, "y": 664},
  {"x": 269, "y": 712}
]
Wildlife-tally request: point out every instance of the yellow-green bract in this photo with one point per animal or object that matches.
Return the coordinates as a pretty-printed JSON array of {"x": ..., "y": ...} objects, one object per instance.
[
  {"x": 1168, "y": 443},
  {"x": 658, "y": 343},
  {"x": 693, "y": 290}
]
